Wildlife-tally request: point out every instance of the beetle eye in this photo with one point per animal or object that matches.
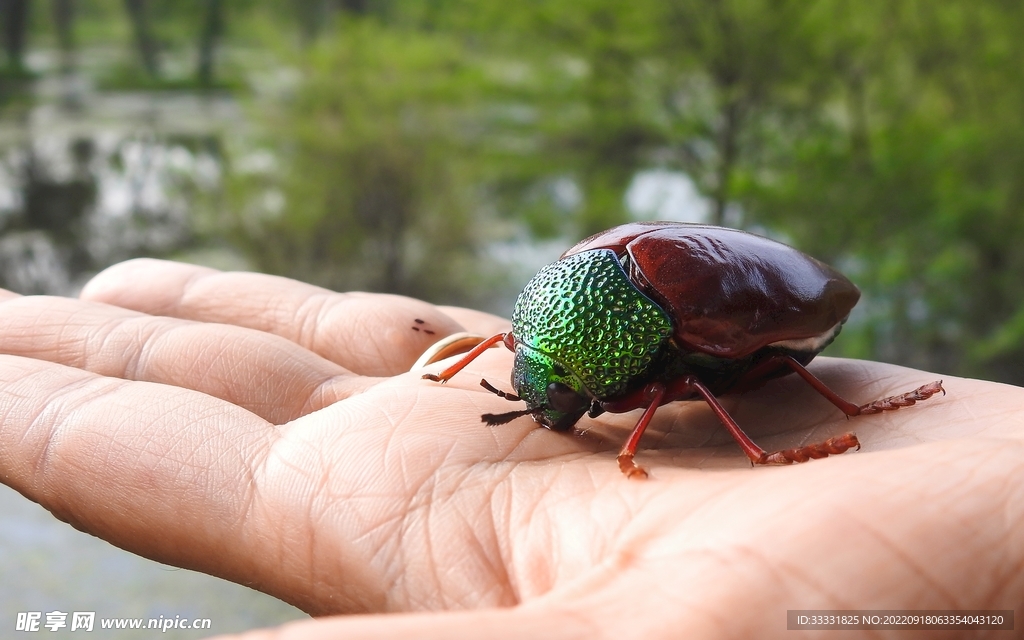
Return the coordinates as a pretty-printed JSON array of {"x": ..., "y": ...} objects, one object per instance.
[{"x": 564, "y": 399}]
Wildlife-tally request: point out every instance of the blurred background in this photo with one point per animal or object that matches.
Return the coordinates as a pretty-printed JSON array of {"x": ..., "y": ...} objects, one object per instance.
[{"x": 449, "y": 148}]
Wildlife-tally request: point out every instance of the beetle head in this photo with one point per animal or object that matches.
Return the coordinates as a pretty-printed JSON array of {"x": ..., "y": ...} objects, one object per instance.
[{"x": 546, "y": 384}]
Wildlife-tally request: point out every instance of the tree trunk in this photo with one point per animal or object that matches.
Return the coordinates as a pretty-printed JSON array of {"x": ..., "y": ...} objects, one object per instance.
[
  {"x": 312, "y": 15},
  {"x": 63, "y": 22},
  {"x": 728, "y": 148},
  {"x": 354, "y": 6},
  {"x": 15, "y": 18},
  {"x": 138, "y": 11},
  {"x": 860, "y": 142},
  {"x": 213, "y": 29}
]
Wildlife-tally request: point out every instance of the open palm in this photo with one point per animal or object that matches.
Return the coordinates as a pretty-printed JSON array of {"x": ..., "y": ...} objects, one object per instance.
[{"x": 269, "y": 432}]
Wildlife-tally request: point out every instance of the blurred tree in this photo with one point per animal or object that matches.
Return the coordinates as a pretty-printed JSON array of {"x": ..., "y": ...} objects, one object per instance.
[
  {"x": 566, "y": 116},
  {"x": 372, "y": 151},
  {"x": 886, "y": 137},
  {"x": 314, "y": 16},
  {"x": 15, "y": 15},
  {"x": 610, "y": 140},
  {"x": 140, "y": 13},
  {"x": 63, "y": 21},
  {"x": 729, "y": 63},
  {"x": 210, "y": 34},
  {"x": 912, "y": 166}
]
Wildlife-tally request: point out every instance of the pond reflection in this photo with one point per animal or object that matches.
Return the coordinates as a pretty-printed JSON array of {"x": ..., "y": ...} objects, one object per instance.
[
  {"x": 116, "y": 177},
  {"x": 85, "y": 183}
]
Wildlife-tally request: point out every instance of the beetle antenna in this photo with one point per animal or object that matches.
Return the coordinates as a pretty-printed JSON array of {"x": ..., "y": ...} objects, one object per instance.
[
  {"x": 494, "y": 419},
  {"x": 498, "y": 392}
]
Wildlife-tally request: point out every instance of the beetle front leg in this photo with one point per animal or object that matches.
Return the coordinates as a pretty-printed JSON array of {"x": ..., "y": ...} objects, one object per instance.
[
  {"x": 447, "y": 374},
  {"x": 656, "y": 393}
]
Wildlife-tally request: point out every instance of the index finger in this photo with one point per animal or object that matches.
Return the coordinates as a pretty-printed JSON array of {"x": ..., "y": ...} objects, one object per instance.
[{"x": 369, "y": 334}]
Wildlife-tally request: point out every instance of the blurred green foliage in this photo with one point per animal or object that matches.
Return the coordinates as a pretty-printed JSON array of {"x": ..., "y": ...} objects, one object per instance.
[
  {"x": 409, "y": 137},
  {"x": 373, "y": 161}
]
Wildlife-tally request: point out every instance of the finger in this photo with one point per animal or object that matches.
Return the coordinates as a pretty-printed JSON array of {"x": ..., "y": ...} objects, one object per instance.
[
  {"x": 161, "y": 471},
  {"x": 370, "y": 334},
  {"x": 320, "y": 512},
  {"x": 265, "y": 374}
]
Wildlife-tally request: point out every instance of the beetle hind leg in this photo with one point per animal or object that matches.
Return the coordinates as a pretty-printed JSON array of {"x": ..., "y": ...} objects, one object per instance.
[
  {"x": 831, "y": 447},
  {"x": 892, "y": 403}
]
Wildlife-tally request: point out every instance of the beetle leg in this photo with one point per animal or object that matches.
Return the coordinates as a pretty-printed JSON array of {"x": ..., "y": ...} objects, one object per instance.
[
  {"x": 446, "y": 375},
  {"x": 498, "y": 392},
  {"x": 757, "y": 455},
  {"x": 832, "y": 446},
  {"x": 904, "y": 400},
  {"x": 885, "y": 404},
  {"x": 773, "y": 363},
  {"x": 494, "y": 419},
  {"x": 656, "y": 392}
]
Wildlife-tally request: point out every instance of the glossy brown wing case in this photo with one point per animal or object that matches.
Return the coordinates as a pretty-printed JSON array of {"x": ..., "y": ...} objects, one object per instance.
[{"x": 729, "y": 292}]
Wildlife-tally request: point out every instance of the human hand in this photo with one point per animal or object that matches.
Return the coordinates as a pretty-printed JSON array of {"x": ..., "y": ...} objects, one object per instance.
[{"x": 266, "y": 431}]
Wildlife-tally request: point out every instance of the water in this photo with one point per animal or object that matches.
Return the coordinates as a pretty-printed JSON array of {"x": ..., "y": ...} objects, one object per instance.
[
  {"x": 86, "y": 180},
  {"x": 48, "y": 566}
]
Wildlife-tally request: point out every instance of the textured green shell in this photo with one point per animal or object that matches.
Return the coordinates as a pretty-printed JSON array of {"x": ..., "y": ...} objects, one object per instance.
[{"x": 584, "y": 313}]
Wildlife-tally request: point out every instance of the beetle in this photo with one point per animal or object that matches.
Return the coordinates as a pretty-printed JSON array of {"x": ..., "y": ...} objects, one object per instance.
[{"x": 653, "y": 312}]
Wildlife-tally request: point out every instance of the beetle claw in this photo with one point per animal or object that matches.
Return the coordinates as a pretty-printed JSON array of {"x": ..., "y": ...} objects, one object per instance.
[{"x": 631, "y": 469}]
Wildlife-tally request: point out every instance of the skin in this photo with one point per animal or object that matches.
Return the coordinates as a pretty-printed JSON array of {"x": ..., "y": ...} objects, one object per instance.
[{"x": 269, "y": 432}]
